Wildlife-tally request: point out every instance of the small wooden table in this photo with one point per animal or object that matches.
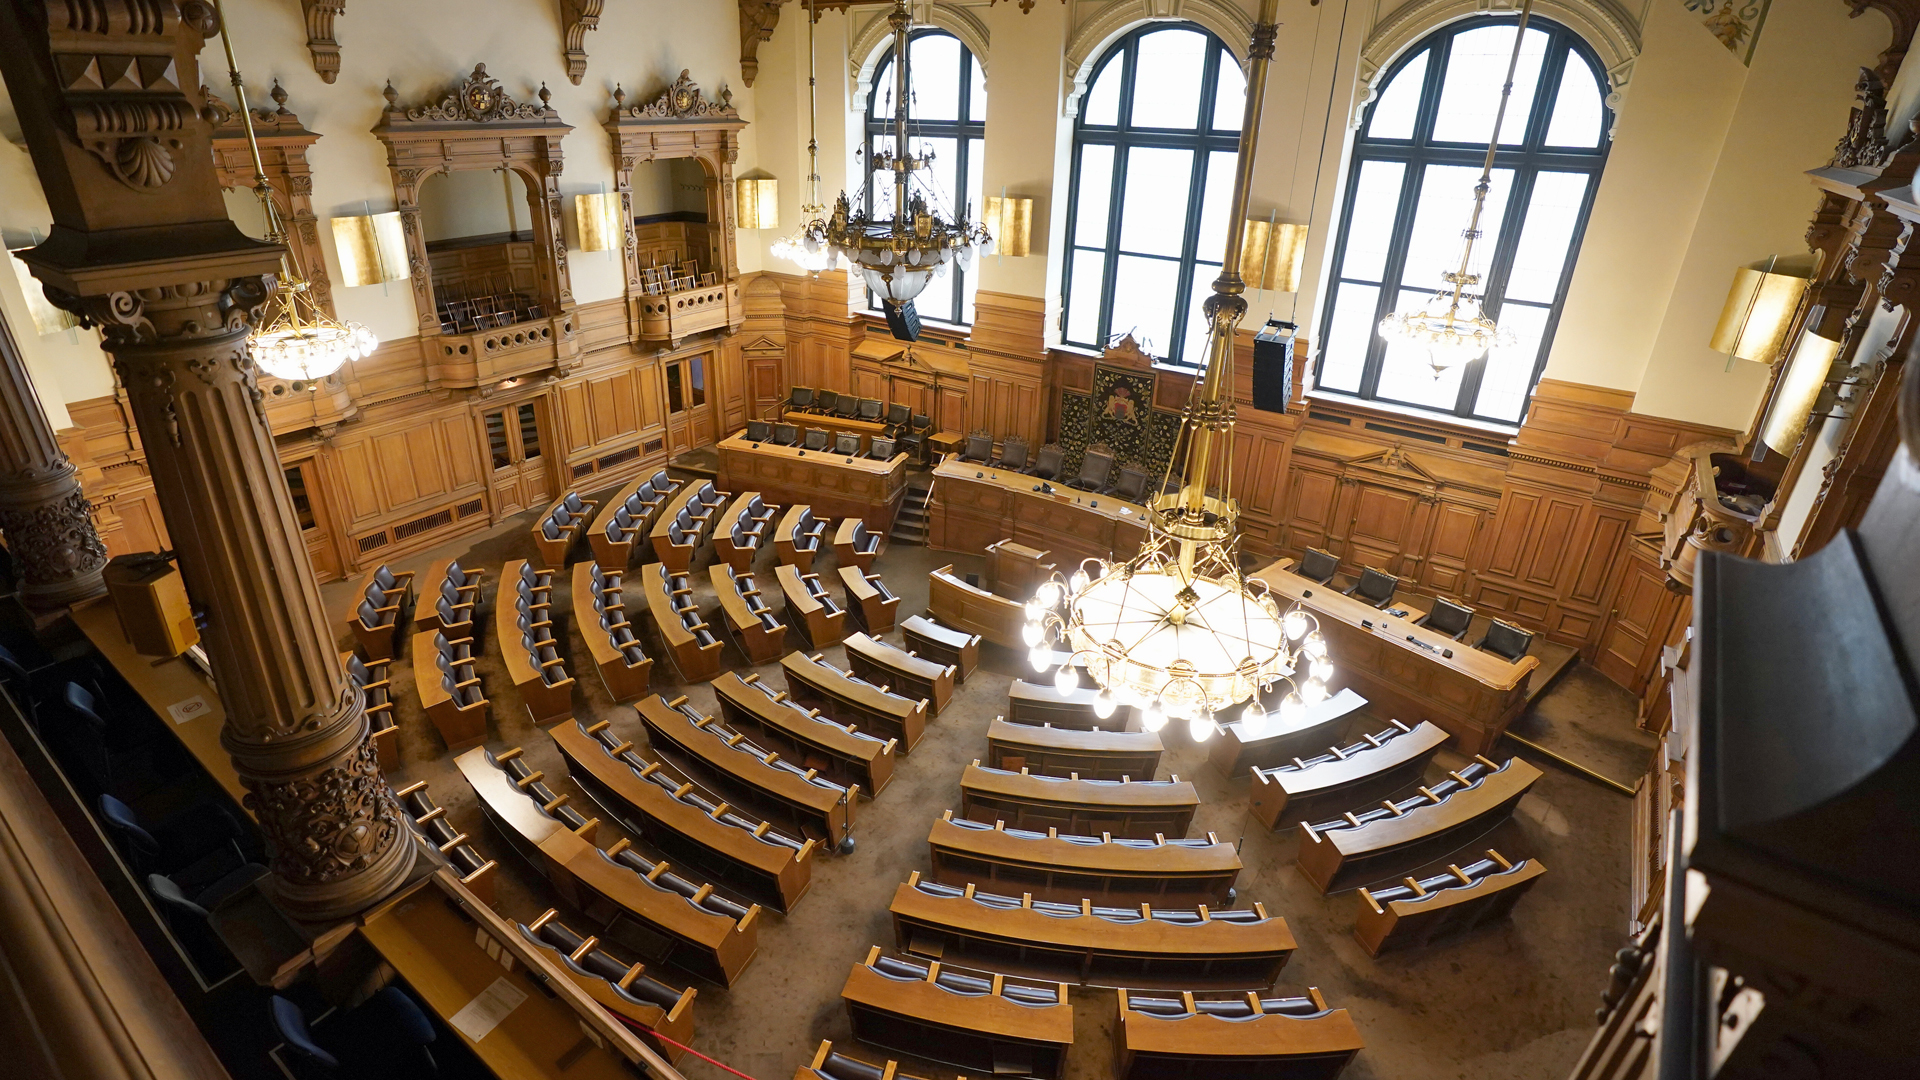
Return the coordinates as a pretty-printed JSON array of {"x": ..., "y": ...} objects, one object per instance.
[{"x": 947, "y": 442}]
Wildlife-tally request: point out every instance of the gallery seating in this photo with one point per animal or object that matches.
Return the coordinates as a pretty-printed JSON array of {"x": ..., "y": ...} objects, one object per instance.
[
  {"x": 1096, "y": 469},
  {"x": 979, "y": 448},
  {"x": 800, "y": 398},
  {"x": 1062, "y": 866},
  {"x": 686, "y": 823},
  {"x": 1464, "y": 898},
  {"x": 796, "y": 540},
  {"x": 846, "y": 442},
  {"x": 1377, "y": 765},
  {"x": 1041, "y": 703},
  {"x": 683, "y": 631},
  {"x": 1193, "y": 1035},
  {"x": 742, "y": 527},
  {"x": 810, "y": 606},
  {"x": 785, "y": 434},
  {"x": 975, "y": 1020},
  {"x": 625, "y": 990},
  {"x": 430, "y": 821},
  {"x": 1013, "y": 453},
  {"x": 376, "y": 696},
  {"x": 846, "y": 756},
  {"x": 1368, "y": 846},
  {"x": 855, "y": 544},
  {"x": 759, "y": 431},
  {"x": 825, "y": 401},
  {"x": 633, "y": 510},
  {"x": 1507, "y": 641},
  {"x": 1318, "y": 565},
  {"x": 829, "y": 1064},
  {"x": 1137, "y": 809},
  {"x": 682, "y": 523},
  {"x": 449, "y": 688},
  {"x": 881, "y": 449},
  {"x": 1376, "y": 587},
  {"x": 1048, "y": 464},
  {"x": 1050, "y": 751},
  {"x": 853, "y": 701},
  {"x": 1132, "y": 484},
  {"x": 870, "y": 409},
  {"x": 1448, "y": 618},
  {"x": 758, "y": 632},
  {"x": 449, "y": 595},
  {"x": 528, "y": 643},
  {"x": 815, "y": 439},
  {"x": 375, "y": 619},
  {"x": 600, "y": 607},
  {"x": 942, "y": 644},
  {"x": 873, "y": 604},
  {"x": 1144, "y": 946},
  {"x": 563, "y": 523},
  {"x": 1277, "y": 742},
  {"x": 890, "y": 666}
]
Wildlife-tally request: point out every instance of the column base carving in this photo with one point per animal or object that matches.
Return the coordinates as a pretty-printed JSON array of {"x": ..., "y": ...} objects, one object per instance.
[{"x": 48, "y": 524}]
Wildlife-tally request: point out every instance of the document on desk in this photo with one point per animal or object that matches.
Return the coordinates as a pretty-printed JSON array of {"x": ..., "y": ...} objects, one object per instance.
[
  {"x": 477, "y": 1018},
  {"x": 191, "y": 709}
]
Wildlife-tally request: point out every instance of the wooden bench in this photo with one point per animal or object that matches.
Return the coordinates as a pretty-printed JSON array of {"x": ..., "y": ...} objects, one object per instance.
[
  {"x": 1042, "y": 703},
  {"x": 446, "y": 580},
  {"x": 600, "y": 610},
  {"x": 1092, "y": 755},
  {"x": 1375, "y": 766},
  {"x": 1144, "y": 946},
  {"x": 889, "y": 665},
  {"x": 684, "y": 633},
  {"x": 796, "y": 540},
  {"x": 1465, "y": 897},
  {"x": 376, "y": 697},
  {"x": 810, "y": 607},
  {"x": 523, "y": 626},
  {"x": 1242, "y": 1035},
  {"x": 1278, "y": 741},
  {"x": 758, "y": 632},
  {"x": 927, "y": 638},
  {"x": 742, "y": 528},
  {"x": 686, "y": 823},
  {"x": 852, "y": 700},
  {"x": 625, "y": 990},
  {"x": 872, "y": 603},
  {"x": 1140, "y": 809},
  {"x": 1053, "y": 866},
  {"x": 975, "y": 610},
  {"x": 830, "y": 1064},
  {"x": 449, "y": 688},
  {"x": 980, "y": 1021},
  {"x": 843, "y": 754},
  {"x": 617, "y": 533},
  {"x": 816, "y": 806},
  {"x": 854, "y": 544},
  {"x": 1360, "y": 848},
  {"x": 682, "y": 523},
  {"x": 636, "y": 903},
  {"x": 430, "y": 821},
  {"x": 373, "y": 617},
  {"x": 564, "y": 522}
]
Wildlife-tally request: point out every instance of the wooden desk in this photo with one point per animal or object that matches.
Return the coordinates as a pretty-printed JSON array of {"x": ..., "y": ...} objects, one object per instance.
[
  {"x": 702, "y": 503},
  {"x": 854, "y": 544},
  {"x": 553, "y": 552},
  {"x": 185, "y": 700},
  {"x": 852, "y": 700},
  {"x": 1238, "y": 949},
  {"x": 695, "y": 650},
  {"x": 1312, "y": 1047},
  {"x": 799, "y": 537},
  {"x": 1055, "y": 867},
  {"x": 834, "y": 425},
  {"x": 1052, "y": 751},
  {"x": 426, "y": 614},
  {"x": 844, "y": 755},
  {"x": 833, "y": 484},
  {"x": 1347, "y": 777},
  {"x": 1140, "y": 809},
  {"x": 460, "y": 726},
  {"x": 927, "y": 638},
  {"x": 1043, "y": 703},
  {"x": 1015, "y": 570},
  {"x": 1473, "y": 696},
  {"x": 738, "y": 552},
  {"x": 1455, "y": 902},
  {"x": 946, "y": 442},
  {"x": 810, "y": 606},
  {"x": 624, "y": 677},
  {"x": 973, "y": 505},
  {"x": 545, "y": 698},
  {"x": 873, "y": 604},
  {"x": 759, "y": 633},
  {"x": 889, "y": 665},
  {"x": 623, "y": 990},
  {"x": 962, "y": 1027},
  {"x": 1339, "y": 854},
  {"x": 616, "y": 554},
  {"x": 974, "y": 610},
  {"x": 1238, "y": 750}
]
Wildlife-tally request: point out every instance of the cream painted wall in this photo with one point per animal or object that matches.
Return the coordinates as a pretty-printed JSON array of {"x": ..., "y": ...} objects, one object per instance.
[
  {"x": 473, "y": 203},
  {"x": 68, "y": 365},
  {"x": 1023, "y": 148}
]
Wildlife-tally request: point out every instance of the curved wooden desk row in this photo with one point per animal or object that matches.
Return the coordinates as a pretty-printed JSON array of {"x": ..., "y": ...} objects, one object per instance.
[
  {"x": 1465, "y": 897},
  {"x": 528, "y": 645},
  {"x": 741, "y": 530},
  {"x": 852, "y": 700},
  {"x": 796, "y": 540},
  {"x": 979, "y": 1021},
  {"x": 449, "y": 688},
  {"x": 975, "y": 610},
  {"x": 636, "y": 903},
  {"x": 630, "y": 515},
  {"x": 563, "y": 523},
  {"x": 924, "y": 637},
  {"x": 1237, "y": 949},
  {"x": 1137, "y": 809},
  {"x": 830, "y": 1064},
  {"x": 373, "y": 611},
  {"x": 625, "y": 990},
  {"x": 1377, "y": 765},
  {"x": 841, "y": 752},
  {"x": 683, "y": 821},
  {"x": 835, "y": 485},
  {"x": 430, "y": 821},
  {"x": 1043, "y": 703},
  {"x": 1360, "y": 848},
  {"x": 974, "y": 504},
  {"x": 810, "y": 607},
  {"x": 1240, "y": 749},
  {"x": 612, "y": 640},
  {"x": 1092, "y": 754},
  {"x": 1052, "y": 866},
  {"x": 872, "y": 603},
  {"x": 370, "y": 677},
  {"x": 755, "y": 628},
  {"x": 815, "y": 805},
  {"x": 682, "y": 523},
  {"x": 1246, "y": 1035},
  {"x": 854, "y": 544},
  {"x": 449, "y": 581},
  {"x": 684, "y": 633},
  {"x": 889, "y": 665}
]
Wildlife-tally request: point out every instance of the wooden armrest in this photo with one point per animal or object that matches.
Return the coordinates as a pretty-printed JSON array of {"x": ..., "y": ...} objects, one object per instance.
[
  {"x": 545, "y": 664},
  {"x": 475, "y": 681}
]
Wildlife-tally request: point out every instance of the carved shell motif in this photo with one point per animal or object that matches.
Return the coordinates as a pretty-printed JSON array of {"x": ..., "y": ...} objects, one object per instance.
[{"x": 143, "y": 163}]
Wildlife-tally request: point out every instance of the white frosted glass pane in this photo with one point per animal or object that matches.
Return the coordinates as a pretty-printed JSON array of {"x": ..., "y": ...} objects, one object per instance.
[
  {"x": 1445, "y": 207},
  {"x": 1166, "y": 80},
  {"x": 1504, "y": 386},
  {"x": 1229, "y": 96},
  {"x": 1349, "y": 333},
  {"x": 1144, "y": 292},
  {"x": 1194, "y": 350},
  {"x": 970, "y": 202},
  {"x": 977, "y": 94},
  {"x": 1552, "y": 213},
  {"x": 1103, "y": 99},
  {"x": 935, "y": 184},
  {"x": 1096, "y": 187},
  {"x": 1083, "y": 298},
  {"x": 1471, "y": 93},
  {"x": 936, "y": 300},
  {"x": 1576, "y": 112},
  {"x": 935, "y": 74},
  {"x": 1376, "y": 198},
  {"x": 1399, "y": 105},
  {"x": 1214, "y": 206},
  {"x": 1153, "y": 213},
  {"x": 1407, "y": 376},
  {"x": 880, "y": 183}
]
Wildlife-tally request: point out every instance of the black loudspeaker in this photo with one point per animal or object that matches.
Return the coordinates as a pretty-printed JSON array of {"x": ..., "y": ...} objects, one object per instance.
[
  {"x": 1273, "y": 366},
  {"x": 903, "y": 319}
]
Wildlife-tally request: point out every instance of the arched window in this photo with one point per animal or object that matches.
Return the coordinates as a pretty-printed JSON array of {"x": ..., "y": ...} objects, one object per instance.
[
  {"x": 1153, "y": 157},
  {"x": 946, "y": 113},
  {"x": 1410, "y": 195}
]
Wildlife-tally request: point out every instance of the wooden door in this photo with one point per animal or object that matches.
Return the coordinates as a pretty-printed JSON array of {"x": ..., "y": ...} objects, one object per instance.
[
  {"x": 690, "y": 420},
  {"x": 516, "y": 448},
  {"x": 1380, "y": 527},
  {"x": 1637, "y": 626},
  {"x": 310, "y": 509}
]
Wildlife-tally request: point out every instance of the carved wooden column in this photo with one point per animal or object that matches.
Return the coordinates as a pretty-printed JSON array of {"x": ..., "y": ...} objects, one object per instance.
[{"x": 47, "y": 522}]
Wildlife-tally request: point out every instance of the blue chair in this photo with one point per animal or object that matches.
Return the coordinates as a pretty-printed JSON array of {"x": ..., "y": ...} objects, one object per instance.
[
  {"x": 388, "y": 1035},
  {"x": 291, "y": 1025},
  {"x": 196, "y": 847},
  {"x": 189, "y": 917}
]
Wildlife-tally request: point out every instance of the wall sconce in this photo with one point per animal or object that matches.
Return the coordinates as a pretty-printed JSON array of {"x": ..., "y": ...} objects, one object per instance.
[
  {"x": 1759, "y": 309},
  {"x": 599, "y": 221},
  {"x": 1010, "y": 219},
  {"x": 1800, "y": 391},
  {"x": 372, "y": 249},
  {"x": 1274, "y": 256},
  {"x": 759, "y": 203}
]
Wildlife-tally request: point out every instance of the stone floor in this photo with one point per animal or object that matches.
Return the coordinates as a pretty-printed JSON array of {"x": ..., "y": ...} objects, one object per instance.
[{"x": 1511, "y": 1001}]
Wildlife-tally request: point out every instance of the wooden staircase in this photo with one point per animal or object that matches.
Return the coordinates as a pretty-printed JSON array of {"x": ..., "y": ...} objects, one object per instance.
[{"x": 910, "y": 524}]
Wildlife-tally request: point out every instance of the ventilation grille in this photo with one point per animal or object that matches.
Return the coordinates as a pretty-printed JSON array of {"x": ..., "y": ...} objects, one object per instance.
[
  {"x": 654, "y": 446},
  {"x": 468, "y": 509},
  {"x": 585, "y": 468},
  {"x": 1486, "y": 448},
  {"x": 1407, "y": 433},
  {"x": 1328, "y": 418},
  {"x": 376, "y": 540},
  {"x": 620, "y": 457},
  {"x": 420, "y": 525}
]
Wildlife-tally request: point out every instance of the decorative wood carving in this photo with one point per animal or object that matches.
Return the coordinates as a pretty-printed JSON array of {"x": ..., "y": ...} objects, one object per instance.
[
  {"x": 320, "y": 40},
  {"x": 284, "y": 141},
  {"x": 1905, "y": 17},
  {"x": 47, "y": 522},
  {"x": 757, "y": 20},
  {"x": 576, "y": 18}
]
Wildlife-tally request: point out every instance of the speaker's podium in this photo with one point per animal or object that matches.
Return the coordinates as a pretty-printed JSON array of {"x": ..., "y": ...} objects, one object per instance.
[
  {"x": 151, "y": 598},
  {"x": 1015, "y": 570}
]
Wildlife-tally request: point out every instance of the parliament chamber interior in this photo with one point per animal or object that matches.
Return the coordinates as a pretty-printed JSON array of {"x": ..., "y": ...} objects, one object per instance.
[{"x": 919, "y": 539}]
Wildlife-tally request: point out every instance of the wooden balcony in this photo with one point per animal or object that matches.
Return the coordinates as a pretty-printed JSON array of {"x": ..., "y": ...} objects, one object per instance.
[
  {"x": 675, "y": 316},
  {"x": 484, "y": 357}
]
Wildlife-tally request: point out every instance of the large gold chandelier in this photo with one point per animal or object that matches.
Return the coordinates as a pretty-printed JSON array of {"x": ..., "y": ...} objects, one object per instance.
[
  {"x": 808, "y": 244},
  {"x": 1178, "y": 630},
  {"x": 899, "y": 255}
]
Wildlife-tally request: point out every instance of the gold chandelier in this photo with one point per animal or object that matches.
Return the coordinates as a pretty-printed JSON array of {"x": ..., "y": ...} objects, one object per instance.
[
  {"x": 808, "y": 244},
  {"x": 1178, "y": 630}
]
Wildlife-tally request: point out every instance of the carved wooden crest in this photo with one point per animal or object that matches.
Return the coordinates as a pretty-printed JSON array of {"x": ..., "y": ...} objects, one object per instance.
[
  {"x": 1865, "y": 143},
  {"x": 478, "y": 99},
  {"x": 681, "y": 101}
]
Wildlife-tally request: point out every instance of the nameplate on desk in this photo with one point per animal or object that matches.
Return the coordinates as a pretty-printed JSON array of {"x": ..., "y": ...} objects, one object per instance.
[
  {"x": 191, "y": 709},
  {"x": 477, "y": 1018}
]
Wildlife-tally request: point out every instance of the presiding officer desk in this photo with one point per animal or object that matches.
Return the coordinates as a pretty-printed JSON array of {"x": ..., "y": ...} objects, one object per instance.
[
  {"x": 833, "y": 484},
  {"x": 973, "y": 505},
  {"x": 1402, "y": 670}
]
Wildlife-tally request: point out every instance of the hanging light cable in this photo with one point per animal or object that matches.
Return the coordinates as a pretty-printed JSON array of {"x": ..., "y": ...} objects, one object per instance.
[{"x": 808, "y": 245}]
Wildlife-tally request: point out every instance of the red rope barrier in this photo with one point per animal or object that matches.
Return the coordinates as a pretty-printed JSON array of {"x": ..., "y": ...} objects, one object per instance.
[{"x": 635, "y": 1024}]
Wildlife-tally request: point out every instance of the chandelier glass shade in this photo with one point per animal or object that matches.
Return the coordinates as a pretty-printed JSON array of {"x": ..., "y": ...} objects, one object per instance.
[{"x": 807, "y": 245}]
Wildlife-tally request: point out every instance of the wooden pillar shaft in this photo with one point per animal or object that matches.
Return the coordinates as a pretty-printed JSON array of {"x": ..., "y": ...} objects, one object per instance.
[{"x": 47, "y": 522}]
